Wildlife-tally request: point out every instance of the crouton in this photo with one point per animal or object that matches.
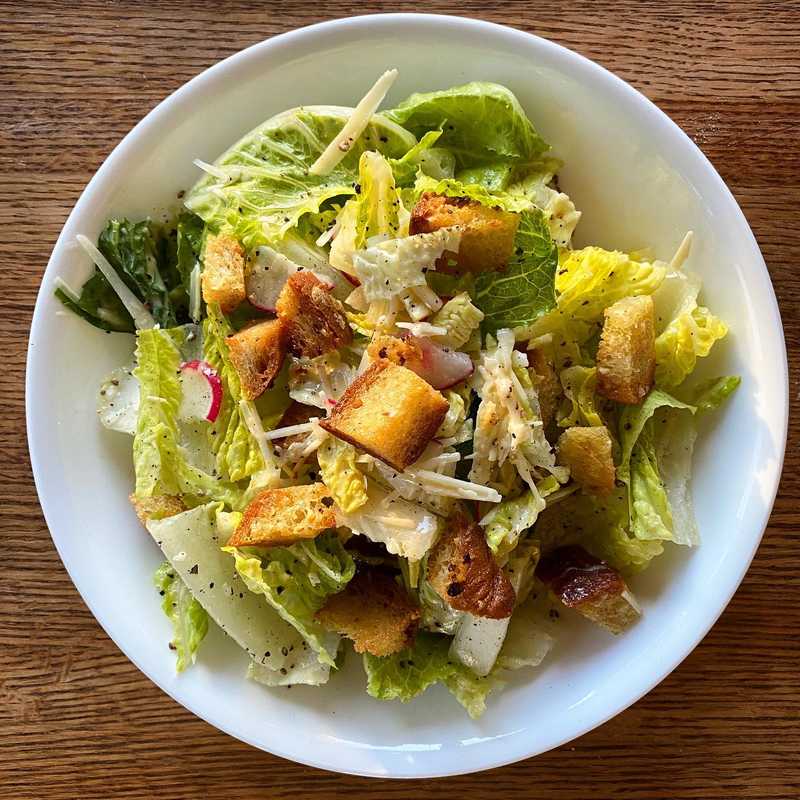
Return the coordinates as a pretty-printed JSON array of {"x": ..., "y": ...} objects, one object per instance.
[
  {"x": 547, "y": 384},
  {"x": 464, "y": 573},
  {"x": 590, "y": 586},
  {"x": 257, "y": 354},
  {"x": 159, "y": 506},
  {"x": 315, "y": 320},
  {"x": 389, "y": 412},
  {"x": 487, "y": 234},
  {"x": 587, "y": 453},
  {"x": 403, "y": 352},
  {"x": 223, "y": 272},
  {"x": 626, "y": 357},
  {"x": 296, "y": 414},
  {"x": 373, "y": 611},
  {"x": 282, "y": 516}
]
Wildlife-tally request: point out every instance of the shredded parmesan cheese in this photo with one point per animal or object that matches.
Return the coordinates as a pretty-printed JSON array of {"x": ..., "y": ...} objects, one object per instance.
[{"x": 682, "y": 253}]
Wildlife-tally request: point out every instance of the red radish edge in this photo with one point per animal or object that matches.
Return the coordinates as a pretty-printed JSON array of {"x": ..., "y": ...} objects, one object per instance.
[
  {"x": 441, "y": 367},
  {"x": 351, "y": 279},
  {"x": 214, "y": 387}
]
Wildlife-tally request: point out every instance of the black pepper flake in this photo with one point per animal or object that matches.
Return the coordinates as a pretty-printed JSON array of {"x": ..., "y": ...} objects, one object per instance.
[{"x": 194, "y": 570}]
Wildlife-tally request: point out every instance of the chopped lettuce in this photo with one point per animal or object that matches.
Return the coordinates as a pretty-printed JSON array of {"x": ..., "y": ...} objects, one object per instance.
[
  {"x": 260, "y": 188},
  {"x": 506, "y": 522},
  {"x": 481, "y": 123},
  {"x": 460, "y": 318},
  {"x": 296, "y": 580},
  {"x": 523, "y": 292},
  {"x": 579, "y": 385},
  {"x": 711, "y": 394},
  {"x": 410, "y": 672},
  {"x": 189, "y": 619},
  {"x": 338, "y": 470},
  {"x": 423, "y": 159},
  {"x": 303, "y": 668},
  {"x": 450, "y": 187}
]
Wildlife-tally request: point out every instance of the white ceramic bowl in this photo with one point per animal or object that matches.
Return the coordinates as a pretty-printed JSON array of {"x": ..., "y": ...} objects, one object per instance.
[{"x": 639, "y": 181}]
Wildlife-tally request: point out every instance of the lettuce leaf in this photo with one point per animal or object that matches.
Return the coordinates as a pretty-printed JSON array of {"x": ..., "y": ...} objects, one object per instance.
[
  {"x": 189, "y": 619},
  {"x": 261, "y": 187},
  {"x": 579, "y": 391},
  {"x": 506, "y": 522},
  {"x": 524, "y": 291},
  {"x": 711, "y": 394},
  {"x": 482, "y": 123},
  {"x": 425, "y": 159},
  {"x": 338, "y": 470},
  {"x": 460, "y": 318},
  {"x": 296, "y": 580},
  {"x": 410, "y": 672},
  {"x": 450, "y": 187}
]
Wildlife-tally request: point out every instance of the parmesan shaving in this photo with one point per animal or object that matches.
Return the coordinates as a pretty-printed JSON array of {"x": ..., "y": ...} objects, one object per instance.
[
  {"x": 256, "y": 428},
  {"x": 291, "y": 430},
  {"x": 682, "y": 253},
  {"x": 354, "y": 127},
  {"x": 444, "y": 485}
]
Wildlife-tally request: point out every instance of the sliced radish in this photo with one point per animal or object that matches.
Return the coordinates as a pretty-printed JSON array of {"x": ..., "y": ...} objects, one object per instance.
[
  {"x": 441, "y": 366},
  {"x": 201, "y": 391},
  {"x": 351, "y": 279}
]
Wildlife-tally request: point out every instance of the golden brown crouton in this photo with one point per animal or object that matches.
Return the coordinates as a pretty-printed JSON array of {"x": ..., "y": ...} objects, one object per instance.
[
  {"x": 315, "y": 320},
  {"x": 159, "y": 506},
  {"x": 487, "y": 234},
  {"x": 389, "y": 412},
  {"x": 626, "y": 357},
  {"x": 283, "y": 516},
  {"x": 223, "y": 272},
  {"x": 257, "y": 354},
  {"x": 374, "y": 612},
  {"x": 464, "y": 573},
  {"x": 587, "y": 453},
  {"x": 590, "y": 586},
  {"x": 547, "y": 384},
  {"x": 403, "y": 352}
]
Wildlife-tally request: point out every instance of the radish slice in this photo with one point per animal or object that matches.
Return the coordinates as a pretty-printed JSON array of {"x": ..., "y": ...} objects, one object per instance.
[
  {"x": 268, "y": 276},
  {"x": 201, "y": 396},
  {"x": 441, "y": 366}
]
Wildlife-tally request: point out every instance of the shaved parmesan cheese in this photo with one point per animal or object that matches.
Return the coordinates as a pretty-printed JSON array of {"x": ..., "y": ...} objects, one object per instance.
[
  {"x": 256, "y": 428},
  {"x": 682, "y": 253},
  {"x": 142, "y": 318},
  {"x": 355, "y": 125},
  {"x": 422, "y": 328},
  {"x": 444, "y": 485},
  {"x": 291, "y": 430}
]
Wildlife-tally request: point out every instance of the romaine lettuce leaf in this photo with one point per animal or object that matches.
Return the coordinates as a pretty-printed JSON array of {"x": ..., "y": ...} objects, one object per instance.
[
  {"x": 189, "y": 619},
  {"x": 260, "y": 188},
  {"x": 296, "y": 580},
  {"x": 524, "y": 292},
  {"x": 423, "y": 158},
  {"x": 303, "y": 668},
  {"x": 481, "y": 123},
  {"x": 410, "y": 672},
  {"x": 338, "y": 470},
  {"x": 450, "y": 187},
  {"x": 506, "y": 522},
  {"x": 460, "y": 318},
  {"x": 579, "y": 385},
  {"x": 711, "y": 394},
  {"x": 494, "y": 177}
]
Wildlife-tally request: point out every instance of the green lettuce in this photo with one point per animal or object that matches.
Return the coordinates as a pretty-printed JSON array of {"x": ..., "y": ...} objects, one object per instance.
[
  {"x": 481, "y": 123},
  {"x": 296, "y": 580},
  {"x": 189, "y": 619},
  {"x": 338, "y": 470},
  {"x": 579, "y": 390},
  {"x": 711, "y": 394},
  {"x": 524, "y": 292},
  {"x": 460, "y": 318},
  {"x": 449, "y": 187},
  {"x": 423, "y": 158},
  {"x": 506, "y": 522},
  {"x": 410, "y": 672},
  {"x": 260, "y": 188}
]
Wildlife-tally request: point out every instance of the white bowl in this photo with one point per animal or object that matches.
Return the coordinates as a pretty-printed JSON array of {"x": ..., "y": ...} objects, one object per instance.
[{"x": 639, "y": 181}]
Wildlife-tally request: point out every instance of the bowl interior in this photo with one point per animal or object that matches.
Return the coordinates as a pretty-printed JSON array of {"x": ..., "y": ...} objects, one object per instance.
[{"x": 639, "y": 182}]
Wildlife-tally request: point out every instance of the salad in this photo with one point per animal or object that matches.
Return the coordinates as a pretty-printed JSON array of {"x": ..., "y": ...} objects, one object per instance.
[{"x": 379, "y": 400}]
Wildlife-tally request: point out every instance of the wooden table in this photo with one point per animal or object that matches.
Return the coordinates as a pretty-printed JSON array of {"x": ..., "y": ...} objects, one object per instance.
[{"x": 77, "y": 719}]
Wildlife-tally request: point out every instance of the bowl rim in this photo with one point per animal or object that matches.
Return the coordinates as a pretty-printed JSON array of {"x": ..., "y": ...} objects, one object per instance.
[{"x": 453, "y": 25}]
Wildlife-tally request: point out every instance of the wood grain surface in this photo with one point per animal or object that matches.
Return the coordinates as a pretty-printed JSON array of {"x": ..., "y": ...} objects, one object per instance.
[{"x": 77, "y": 719}]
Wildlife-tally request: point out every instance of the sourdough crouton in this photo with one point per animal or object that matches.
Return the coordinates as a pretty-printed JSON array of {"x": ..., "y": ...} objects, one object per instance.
[
  {"x": 222, "y": 278},
  {"x": 373, "y": 611},
  {"x": 626, "y": 357},
  {"x": 315, "y": 320},
  {"x": 158, "y": 506},
  {"x": 464, "y": 573},
  {"x": 487, "y": 234},
  {"x": 257, "y": 354},
  {"x": 403, "y": 352},
  {"x": 587, "y": 453},
  {"x": 547, "y": 384},
  {"x": 389, "y": 412},
  {"x": 590, "y": 586},
  {"x": 283, "y": 516}
]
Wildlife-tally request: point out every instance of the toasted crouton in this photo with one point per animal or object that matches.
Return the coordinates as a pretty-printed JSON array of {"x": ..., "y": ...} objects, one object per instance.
[
  {"x": 159, "y": 506},
  {"x": 464, "y": 573},
  {"x": 282, "y": 516},
  {"x": 547, "y": 384},
  {"x": 626, "y": 357},
  {"x": 315, "y": 320},
  {"x": 390, "y": 412},
  {"x": 403, "y": 352},
  {"x": 590, "y": 586},
  {"x": 257, "y": 354},
  {"x": 223, "y": 272},
  {"x": 374, "y": 612},
  {"x": 487, "y": 234},
  {"x": 587, "y": 453}
]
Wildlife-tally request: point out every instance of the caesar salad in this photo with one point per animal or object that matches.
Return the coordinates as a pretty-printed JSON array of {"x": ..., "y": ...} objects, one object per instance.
[{"x": 379, "y": 401}]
